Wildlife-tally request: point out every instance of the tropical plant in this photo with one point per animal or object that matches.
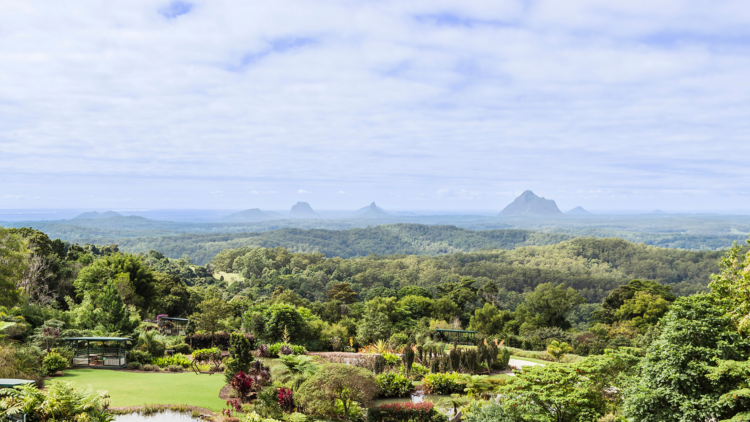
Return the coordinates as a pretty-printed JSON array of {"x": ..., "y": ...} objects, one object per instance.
[
  {"x": 153, "y": 343},
  {"x": 558, "y": 350},
  {"x": 477, "y": 385},
  {"x": 240, "y": 356},
  {"x": 393, "y": 384},
  {"x": 293, "y": 370},
  {"x": 242, "y": 384},
  {"x": 286, "y": 399},
  {"x": 60, "y": 401},
  {"x": 442, "y": 383}
]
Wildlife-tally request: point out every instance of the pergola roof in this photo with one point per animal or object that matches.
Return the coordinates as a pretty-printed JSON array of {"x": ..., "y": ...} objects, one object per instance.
[
  {"x": 442, "y": 330},
  {"x": 98, "y": 338},
  {"x": 10, "y": 382},
  {"x": 175, "y": 319}
]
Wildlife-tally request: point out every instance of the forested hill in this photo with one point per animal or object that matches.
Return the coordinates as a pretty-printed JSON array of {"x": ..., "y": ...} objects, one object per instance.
[{"x": 413, "y": 239}]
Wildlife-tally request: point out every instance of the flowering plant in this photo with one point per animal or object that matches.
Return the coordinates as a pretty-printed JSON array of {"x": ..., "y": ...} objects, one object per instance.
[{"x": 286, "y": 399}]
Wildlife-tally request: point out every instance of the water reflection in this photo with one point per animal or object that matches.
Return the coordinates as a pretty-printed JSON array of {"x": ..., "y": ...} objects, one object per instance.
[{"x": 167, "y": 416}]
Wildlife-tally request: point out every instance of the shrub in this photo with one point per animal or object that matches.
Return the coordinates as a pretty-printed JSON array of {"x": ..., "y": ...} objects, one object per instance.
[
  {"x": 412, "y": 412},
  {"x": 139, "y": 356},
  {"x": 175, "y": 368},
  {"x": 220, "y": 340},
  {"x": 391, "y": 359},
  {"x": 503, "y": 357},
  {"x": 207, "y": 354},
  {"x": 441, "y": 383},
  {"x": 394, "y": 385},
  {"x": 134, "y": 365},
  {"x": 176, "y": 359},
  {"x": 242, "y": 384},
  {"x": 240, "y": 357},
  {"x": 275, "y": 349},
  {"x": 337, "y": 382},
  {"x": 286, "y": 399},
  {"x": 53, "y": 362},
  {"x": 183, "y": 348},
  {"x": 148, "y": 367},
  {"x": 285, "y": 350},
  {"x": 263, "y": 351},
  {"x": 417, "y": 371}
]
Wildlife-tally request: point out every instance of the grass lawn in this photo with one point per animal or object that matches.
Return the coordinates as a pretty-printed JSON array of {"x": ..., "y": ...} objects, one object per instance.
[
  {"x": 134, "y": 389},
  {"x": 498, "y": 376},
  {"x": 531, "y": 360}
]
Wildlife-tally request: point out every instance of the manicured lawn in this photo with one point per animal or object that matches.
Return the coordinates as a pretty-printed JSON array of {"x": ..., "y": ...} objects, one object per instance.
[
  {"x": 134, "y": 389},
  {"x": 531, "y": 360},
  {"x": 498, "y": 376}
]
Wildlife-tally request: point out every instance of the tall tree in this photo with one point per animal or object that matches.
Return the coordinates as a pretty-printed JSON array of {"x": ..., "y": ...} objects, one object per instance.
[
  {"x": 550, "y": 303},
  {"x": 12, "y": 254}
]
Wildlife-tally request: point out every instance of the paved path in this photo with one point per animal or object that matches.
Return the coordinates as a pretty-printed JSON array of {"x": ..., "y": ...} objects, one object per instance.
[{"x": 519, "y": 362}]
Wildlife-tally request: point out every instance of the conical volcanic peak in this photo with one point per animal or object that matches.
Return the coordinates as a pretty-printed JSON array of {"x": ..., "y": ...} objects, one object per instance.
[
  {"x": 530, "y": 204},
  {"x": 302, "y": 209},
  {"x": 578, "y": 211},
  {"x": 371, "y": 211}
]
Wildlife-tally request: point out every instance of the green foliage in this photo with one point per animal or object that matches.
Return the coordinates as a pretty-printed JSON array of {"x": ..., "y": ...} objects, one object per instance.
[
  {"x": 503, "y": 357},
  {"x": 210, "y": 315},
  {"x": 408, "y": 358},
  {"x": 417, "y": 371},
  {"x": 650, "y": 291},
  {"x": 59, "y": 401},
  {"x": 53, "y": 362},
  {"x": 488, "y": 411},
  {"x": 732, "y": 285},
  {"x": 549, "y": 303},
  {"x": 391, "y": 359},
  {"x": 294, "y": 370},
  {"x": 273, "y": 349},
  {"x": 116, "y": 317},
  {"x": 240, "y": 357},
  {"x": 674, "y": 382},
  {"x": 176, "y": 359},
  {"x": 558, "y": 350},
  {"x": 488, "y": 320},
  {"x": 414, "y": 291},
  {"x": 444, "y": 383},
  {"x": 152, "y": 342},
  {"x": 139, "y": 356},
  {"x": 553, "y": 393},
  {"x": 341, "y": 382},
  {"x": 393, "y": 384},
  {"x": 12, "y": 265},
  {"x": 343, "y": 293},
  {"x": 133, "y": 279}
]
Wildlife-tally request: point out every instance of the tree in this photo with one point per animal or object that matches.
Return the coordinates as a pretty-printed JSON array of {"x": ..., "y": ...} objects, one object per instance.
[
  {"x": 674, "y": 382},
  {"x": 115, "y": 314},
  {"x": 488, "y": 320},
  {"x": 644, "y": 309},
  {"x": 210, "y": 314},
  {"x": 418, "y": 306},
  {"x": 240, "y": 357},
  {"x": 607, "y": 313},
  {"x": 550, "y": 303},
  {"x": 414, "y": 291},
  {"x": 342, "y": 292},
  {"x": 136, "y": 289},
  {"x": 12, "y": 252},
  {"x": 281, "y": 318},
  {"x": 374, "y": 326},
  {"x": 732, "y": 285},
  {"x": 171, "y": 296},
  {"x": 558, "y": 350},
  {"x": 460, "y": 293},
  {"x": 553, "y": 393},
  {"x": 338, "y": 383}
]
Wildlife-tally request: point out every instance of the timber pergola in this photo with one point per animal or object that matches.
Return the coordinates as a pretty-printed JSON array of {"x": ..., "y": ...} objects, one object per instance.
[
  {"x": 456, "y": 336},
  {"x": 173, "y": 326},
  {"x": 99, "y": 352}
]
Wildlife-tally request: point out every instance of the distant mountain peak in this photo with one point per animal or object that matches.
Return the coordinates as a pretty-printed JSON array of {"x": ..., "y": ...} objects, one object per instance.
[
  {"x": 302, "y": 208},
  {"x": 530, "y": 204},
  {"x": 578, "y": 211},
  {"x": 93, "y": 215},
  {"x": 371, "y": 211},
  {"x": 253, "y": 214}
]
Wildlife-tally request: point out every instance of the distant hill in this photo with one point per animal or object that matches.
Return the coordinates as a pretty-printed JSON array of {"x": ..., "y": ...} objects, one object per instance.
[
  {"x": 657, "y": 212},
  {"x": 254, "y": 214},
  {"x": 578, "y": 211},
  {"x": 530, "y": 204},
  {"x": 93, "y": 215},
  {"x": 372, "y": 211},
  {"x": 302, "y": 209}
]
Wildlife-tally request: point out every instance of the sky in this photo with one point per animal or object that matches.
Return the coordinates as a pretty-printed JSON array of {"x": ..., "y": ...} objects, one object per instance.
[{"x": 442, "y": 105}]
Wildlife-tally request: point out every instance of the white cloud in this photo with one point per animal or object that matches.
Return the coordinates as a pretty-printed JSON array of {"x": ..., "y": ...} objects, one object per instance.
[
  {"x": 341, "y": 192},
  {"x": 492, "y": 96},
  {"x": 302, "y": 192}
]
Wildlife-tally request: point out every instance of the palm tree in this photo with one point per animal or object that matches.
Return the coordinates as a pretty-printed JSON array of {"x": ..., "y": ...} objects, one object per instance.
[
  {"x": 294, "y": 370},
  {"x": 558, "y": 350}
]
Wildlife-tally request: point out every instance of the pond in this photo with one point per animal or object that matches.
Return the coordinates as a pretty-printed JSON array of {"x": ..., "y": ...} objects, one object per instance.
[{"x": 166, "y": 416}]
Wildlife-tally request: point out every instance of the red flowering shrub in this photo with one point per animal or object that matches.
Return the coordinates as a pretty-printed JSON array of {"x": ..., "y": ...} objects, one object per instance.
[
  {"x": 231, "y": 404},
  {"x": 242, "y": 384},
  {"x": 398, "y": 412},
  {"x": 286, "y": 399}
]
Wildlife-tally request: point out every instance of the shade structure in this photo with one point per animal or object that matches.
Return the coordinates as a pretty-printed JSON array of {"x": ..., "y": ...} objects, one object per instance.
[
  {"x": 456, "y": 336},
  {"x": 173, "y": 326},
  {"x": 99, "y": 352}
]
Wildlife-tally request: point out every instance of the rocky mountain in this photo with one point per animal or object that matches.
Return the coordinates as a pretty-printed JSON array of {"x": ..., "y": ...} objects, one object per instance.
[
  {"x": 253, "y": 214},
  {"x": 371, "y": 211},
  {"x": 530, "y": 204},
  {"x": 93, "y": 215},
  {"x": 578, "y": 211},
  {"x": 302, "y": 209}
]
